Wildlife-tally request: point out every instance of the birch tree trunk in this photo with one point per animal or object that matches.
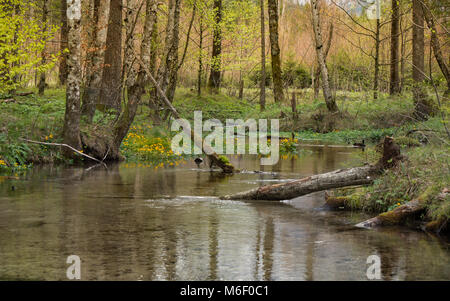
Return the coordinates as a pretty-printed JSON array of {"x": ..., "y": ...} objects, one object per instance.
[
  {"x": 317, "y": 72},
  {"x": 71, "y": 131},
  {"x": 275, "y": 51},
  {"x": 329, "y": 100},
  {"x": 93, "y": 84}
]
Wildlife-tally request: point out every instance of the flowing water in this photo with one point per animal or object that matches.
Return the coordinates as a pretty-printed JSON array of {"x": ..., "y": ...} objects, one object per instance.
[{"x": 138, "y": 223}]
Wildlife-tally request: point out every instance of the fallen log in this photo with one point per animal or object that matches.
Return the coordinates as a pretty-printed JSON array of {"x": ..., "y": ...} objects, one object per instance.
[
  {"x": 394, "y": 217},
  {"x": 335, "y": 179},
  {"x": 400, "y": 214}
]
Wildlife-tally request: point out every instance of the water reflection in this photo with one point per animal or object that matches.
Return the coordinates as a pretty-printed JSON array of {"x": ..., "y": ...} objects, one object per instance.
[{"x": 142, "y": 224}]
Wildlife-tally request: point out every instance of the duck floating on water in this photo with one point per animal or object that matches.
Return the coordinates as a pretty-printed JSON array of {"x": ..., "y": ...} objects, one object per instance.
[
  {"x": 198, "y": 161},
  {"x": 357, "y": 144}
]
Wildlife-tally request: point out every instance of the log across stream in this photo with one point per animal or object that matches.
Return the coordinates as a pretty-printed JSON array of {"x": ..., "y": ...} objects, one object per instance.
[{"x": 336, "y": 179}]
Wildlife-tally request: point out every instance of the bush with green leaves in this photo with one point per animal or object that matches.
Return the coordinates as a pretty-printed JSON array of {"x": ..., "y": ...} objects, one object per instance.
[{"x": 22, "y": 41}]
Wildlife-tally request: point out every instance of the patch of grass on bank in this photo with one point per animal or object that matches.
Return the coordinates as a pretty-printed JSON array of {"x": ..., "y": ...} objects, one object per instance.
[
  {"x": 423, "y": 175},
  {"x": 35, "y": 118}
]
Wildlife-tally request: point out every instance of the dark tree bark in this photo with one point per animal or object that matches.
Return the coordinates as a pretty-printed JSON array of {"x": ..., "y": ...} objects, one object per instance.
[
  {"x": 422, "y": 106},
  {"x": 71, "y": 131},
  {"x": 262, "y": 84},
  {"x": 94, "y": 80},
  {"x": 275, "y": 51},
  {"x": 435, "y": 43},
  {"x": 63, "y": 44},
  {"x": 110, "y": 94},
  {"x": 394, "y": 84},
  {"x": 329, "y": 100},
  {"x": 200, "y": 56},
  {"x": 376, "y": 75},
  {"x": 45, "y": 12},
  {"x": 214, "y": 76}
]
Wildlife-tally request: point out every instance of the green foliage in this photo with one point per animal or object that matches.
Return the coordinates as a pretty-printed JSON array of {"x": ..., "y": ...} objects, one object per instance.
[
  {"x": 13, "y": 155},
  {"x": 295, "y": 75},
  {"x": 21, "y": 43}
]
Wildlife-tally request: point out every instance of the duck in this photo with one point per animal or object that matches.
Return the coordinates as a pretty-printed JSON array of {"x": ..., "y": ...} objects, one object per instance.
[
  {"x": 198, "y": 161},
  {"x": 358, "y": 144}
]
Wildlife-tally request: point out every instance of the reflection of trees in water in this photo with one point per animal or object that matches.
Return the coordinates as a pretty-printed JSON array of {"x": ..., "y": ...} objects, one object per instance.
[
  {"x": 213, "y": 244},
  {"x": 267, "y": 258}
]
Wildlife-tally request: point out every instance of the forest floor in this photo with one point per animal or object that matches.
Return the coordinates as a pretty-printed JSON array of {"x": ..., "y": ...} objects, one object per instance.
[{"x": 425, "y": 143}]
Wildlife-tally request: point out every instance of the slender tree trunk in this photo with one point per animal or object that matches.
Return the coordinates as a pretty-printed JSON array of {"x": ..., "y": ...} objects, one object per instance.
[
  {"x": 275, "y": 51},
  {"x": 317, "y": 72},
  {"x": 63, "y": 44},
  {"x": 93, "y": 83},
  {"x": 173, "y": 54},
  {"x": 403, "y": 36},
  {"x": 376, "y": 79},
  {"x": 110, "y": 94},
  {"x": 214, "y": 76},
  {"x": 200, "y": 56},
  {"x": 422, "y": 107},
  {"x": 262, "y": 84},
  {"x": 435, "y": 43},
  {"x": 167, "y": 73},
  {"x": 43, "y": 55},
  {"x": 71, "y": 131},
  {"x": 329, "y": 100},
  {"x": 394, "y": 84}
]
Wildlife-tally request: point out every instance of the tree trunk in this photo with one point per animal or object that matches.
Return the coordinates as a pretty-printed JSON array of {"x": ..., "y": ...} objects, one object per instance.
[
  {"x": 335, "y": 179},
  {"x": 422, "y": 107},
  {"x": 167, "y": 73},
  {"x": 137, "y": 78},
  {"x": 43, "y": 57},
  {"x": 394, "y": 217},
  {"x": 63, "y": 44},
  {"x": 316, "y": 84},
  {"x": 71, "y": 131},
  {"x": 214, "y": 76},
  {"x": 435, "y": 42},
  {"x": 394, "y": 84},
  {"x": 275, "y": 51},
  {"x": 93, "y": 84},
  {"x": 377, "y": 61},
  {"x": 200, "y": 56},
  {"x": 110, "y": 94},
  {"x": 262, "y": 84},
  {"x": 329, "y": 100}
]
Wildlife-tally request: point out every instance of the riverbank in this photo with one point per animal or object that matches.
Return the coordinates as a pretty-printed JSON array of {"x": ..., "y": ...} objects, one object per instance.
[{"x": 425, "y": 173}]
